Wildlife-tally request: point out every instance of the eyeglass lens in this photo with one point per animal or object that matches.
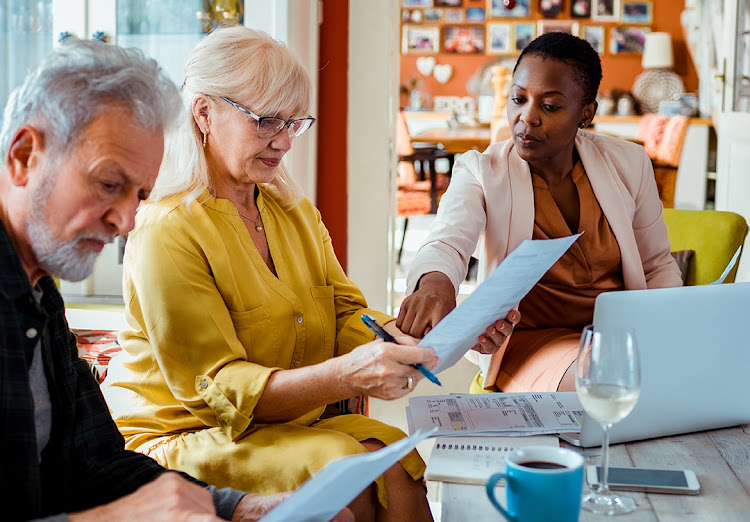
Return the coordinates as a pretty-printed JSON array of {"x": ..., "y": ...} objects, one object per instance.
[{"x": 269, "y": 126}]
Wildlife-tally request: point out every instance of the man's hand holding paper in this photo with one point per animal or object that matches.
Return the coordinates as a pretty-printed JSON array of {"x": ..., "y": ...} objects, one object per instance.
[{"x": 493, "y": 300}]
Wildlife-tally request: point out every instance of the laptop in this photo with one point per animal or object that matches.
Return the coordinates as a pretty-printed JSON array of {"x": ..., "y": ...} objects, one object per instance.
[{"x": 694, "y": 343}]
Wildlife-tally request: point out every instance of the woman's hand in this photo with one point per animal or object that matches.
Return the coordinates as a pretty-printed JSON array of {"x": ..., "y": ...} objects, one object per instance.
[
  {"x": 496, "y": 334},
  {"x": 423, "y": 309},
  {"x": 382, "y": 370},
  {"x": 401, "y": 337}
]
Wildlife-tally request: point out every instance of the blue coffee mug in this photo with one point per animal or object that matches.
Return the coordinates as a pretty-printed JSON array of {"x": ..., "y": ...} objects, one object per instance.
[{"x": 543, "y": 483}]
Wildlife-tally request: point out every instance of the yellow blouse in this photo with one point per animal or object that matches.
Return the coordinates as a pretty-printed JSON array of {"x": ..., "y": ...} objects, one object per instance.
[{"x": 208, "y": 322}]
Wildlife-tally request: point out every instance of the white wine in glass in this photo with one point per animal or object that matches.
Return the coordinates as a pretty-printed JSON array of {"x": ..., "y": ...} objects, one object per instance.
[{"x": 608, "y": 382}]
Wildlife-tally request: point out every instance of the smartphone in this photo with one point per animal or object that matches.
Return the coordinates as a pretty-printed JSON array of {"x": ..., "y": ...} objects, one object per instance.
[{"x": 682, "y": 482}]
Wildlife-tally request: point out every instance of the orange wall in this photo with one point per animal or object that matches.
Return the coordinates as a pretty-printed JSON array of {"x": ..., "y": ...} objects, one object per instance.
[
  {"x": 332, "y": 122},
  {"x": 619, "y": 71}
]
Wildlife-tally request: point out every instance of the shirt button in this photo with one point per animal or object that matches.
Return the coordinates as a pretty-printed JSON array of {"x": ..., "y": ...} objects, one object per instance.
[
  {"x": 296, "y": 364},
  {"x": 299, "y": 320},
  {"x": 204, "y": 384},
  {"x": 31, "y": 333}
]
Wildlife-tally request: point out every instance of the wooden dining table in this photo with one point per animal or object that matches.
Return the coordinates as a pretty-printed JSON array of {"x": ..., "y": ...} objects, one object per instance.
[
  {"x": 720, "y": 458},
  {"x": 456, "y": 140}
]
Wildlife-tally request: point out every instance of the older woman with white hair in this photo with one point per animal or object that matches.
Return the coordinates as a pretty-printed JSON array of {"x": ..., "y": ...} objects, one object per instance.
[{"x": 242, "y": 324}]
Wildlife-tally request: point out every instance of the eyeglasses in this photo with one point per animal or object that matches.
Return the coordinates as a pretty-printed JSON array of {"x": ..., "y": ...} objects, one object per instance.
[{"x": 270, "y": 126}]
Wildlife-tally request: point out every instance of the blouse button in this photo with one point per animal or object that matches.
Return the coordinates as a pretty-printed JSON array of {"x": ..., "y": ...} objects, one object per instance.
[
  {"x": 31, "y": 333},
  {"x": 296, "y": 364},
  {"x": 204, "y": 384},
  {"x": 299, "y": 320}
]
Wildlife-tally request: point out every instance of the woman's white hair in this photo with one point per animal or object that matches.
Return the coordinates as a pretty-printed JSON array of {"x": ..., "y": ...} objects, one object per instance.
[
  {"x": 241, "y": 64},
  {"x": 71, "y": 86}
]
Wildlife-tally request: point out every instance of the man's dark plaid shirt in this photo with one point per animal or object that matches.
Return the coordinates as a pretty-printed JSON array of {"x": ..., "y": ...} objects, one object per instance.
[{"x": 85, "y": 463}]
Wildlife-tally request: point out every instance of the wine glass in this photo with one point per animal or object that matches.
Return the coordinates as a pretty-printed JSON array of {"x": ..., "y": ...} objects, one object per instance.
[{"x": 608, "y": 382}]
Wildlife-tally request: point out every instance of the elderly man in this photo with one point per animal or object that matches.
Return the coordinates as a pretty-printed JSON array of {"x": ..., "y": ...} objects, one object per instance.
[{"x": 82, "y": 141}]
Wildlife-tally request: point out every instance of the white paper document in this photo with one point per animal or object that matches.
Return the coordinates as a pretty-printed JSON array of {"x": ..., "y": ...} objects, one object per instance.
[
  {"x": 729, "y": 267},
  {"x": 507, "y": 414},
  {"x": 330, "y": 490},
  {"x": 503, "y": 289}
]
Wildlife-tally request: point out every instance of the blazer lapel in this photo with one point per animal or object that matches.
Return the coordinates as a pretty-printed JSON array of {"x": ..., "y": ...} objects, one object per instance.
[{"x": 522, "y": 205}]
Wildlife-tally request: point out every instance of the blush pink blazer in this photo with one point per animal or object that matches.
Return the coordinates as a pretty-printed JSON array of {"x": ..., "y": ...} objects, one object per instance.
[{"x": 489, "y": 209}]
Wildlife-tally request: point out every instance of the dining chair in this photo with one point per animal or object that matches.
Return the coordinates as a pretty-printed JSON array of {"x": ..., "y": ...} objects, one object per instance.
[
  {"x": 417, "y": 195},
  {"x": 419, "y": 154}
]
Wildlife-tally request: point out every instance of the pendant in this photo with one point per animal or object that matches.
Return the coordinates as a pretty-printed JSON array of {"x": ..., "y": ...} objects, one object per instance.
[{"x": 259, "y": 228}]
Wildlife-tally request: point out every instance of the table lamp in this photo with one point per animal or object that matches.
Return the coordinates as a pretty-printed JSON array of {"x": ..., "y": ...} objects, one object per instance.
[{"x": 657, "y": 82}]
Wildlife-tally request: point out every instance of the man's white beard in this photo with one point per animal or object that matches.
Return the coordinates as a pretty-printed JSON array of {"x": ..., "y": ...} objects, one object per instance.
[{"x": 70, "y": 260}]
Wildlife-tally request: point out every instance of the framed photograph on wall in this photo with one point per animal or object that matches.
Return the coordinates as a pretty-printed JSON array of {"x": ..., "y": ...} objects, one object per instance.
[
  {"x": 499, "y": 38},
  {"x": 416, "y": 3},
  {"x": 475, "y": 14},
  {"x": 433, "y": 15},
  {"x": 522, "y": 36},
  {"x": 420, "y": 39},
  {"x": 637, "y": 12},
  {"x": 627, "y": 39},
  {"x": 556, "y": 26},
  {"x": 463, "y": 39},
  {"x": 448, "y": 3},
  {"x": 605, "y": 10},
  {"x": 550, "y": 8},
  {"x": 580, "y": 8},
  {"x": 412, "y": 16},
  {"x": 498, "y": 9},
  {"x": 454, "y": 15},
  {"x": 594, "y": 34}
]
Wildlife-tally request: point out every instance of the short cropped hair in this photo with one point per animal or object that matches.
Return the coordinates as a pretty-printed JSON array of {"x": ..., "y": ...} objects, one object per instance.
[
  {"x": 246, "y": 66},
  {"x": 79, "y": 79},
  {"x": 574, "y": 51}
]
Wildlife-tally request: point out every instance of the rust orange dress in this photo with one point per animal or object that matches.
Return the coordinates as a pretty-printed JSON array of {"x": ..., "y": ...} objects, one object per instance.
[{"x": 545, "y": 342}]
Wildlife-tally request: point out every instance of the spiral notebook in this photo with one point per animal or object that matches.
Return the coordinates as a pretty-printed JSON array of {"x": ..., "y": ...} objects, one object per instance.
[{"x": 471, "y": 460}]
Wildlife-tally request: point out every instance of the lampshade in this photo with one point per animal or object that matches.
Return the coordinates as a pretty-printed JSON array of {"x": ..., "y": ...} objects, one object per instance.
[{"x": 657, "y": 51}]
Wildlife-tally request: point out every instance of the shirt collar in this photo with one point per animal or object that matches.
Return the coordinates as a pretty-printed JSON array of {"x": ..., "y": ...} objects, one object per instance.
[{"x": 14, "y": 282}]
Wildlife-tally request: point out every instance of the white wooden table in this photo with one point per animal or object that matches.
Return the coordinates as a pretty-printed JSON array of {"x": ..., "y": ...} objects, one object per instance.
[{"x": 720, "y": 459}]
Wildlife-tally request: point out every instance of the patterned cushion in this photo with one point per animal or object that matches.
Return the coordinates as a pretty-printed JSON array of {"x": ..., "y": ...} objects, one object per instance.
[
  {"x": 97, "y": 347},
  {"x": 670, "y": 146},
  {"x": 414, "y": 198},
  {"x": 663, "y": 136},
  {"x": 650, "y": 132}
]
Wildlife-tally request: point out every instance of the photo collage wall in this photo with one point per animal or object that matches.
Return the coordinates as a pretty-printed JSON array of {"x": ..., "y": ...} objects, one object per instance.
[{"x": 505, "y": 27}]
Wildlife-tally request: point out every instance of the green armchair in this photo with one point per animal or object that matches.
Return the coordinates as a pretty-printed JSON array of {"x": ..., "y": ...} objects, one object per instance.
[{"x": 712, "y": 235}]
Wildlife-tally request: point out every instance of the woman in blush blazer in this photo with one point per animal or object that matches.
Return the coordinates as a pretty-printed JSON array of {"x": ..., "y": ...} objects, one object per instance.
[{"x": 550, "y": 179}]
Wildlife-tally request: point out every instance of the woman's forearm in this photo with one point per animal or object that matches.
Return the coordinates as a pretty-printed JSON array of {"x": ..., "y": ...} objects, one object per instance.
[{"x": 289, "y": 394}]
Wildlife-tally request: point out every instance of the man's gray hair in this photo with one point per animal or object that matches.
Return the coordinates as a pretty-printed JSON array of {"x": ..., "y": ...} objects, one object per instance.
[{"x": 69, "y": 88}]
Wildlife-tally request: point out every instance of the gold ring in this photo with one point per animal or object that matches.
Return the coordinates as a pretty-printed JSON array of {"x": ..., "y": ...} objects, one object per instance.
[{"x": 409, "y": 383}]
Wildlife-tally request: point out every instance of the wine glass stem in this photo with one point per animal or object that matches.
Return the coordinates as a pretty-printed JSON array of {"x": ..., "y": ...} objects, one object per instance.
[{"x": 604, "y": 482}]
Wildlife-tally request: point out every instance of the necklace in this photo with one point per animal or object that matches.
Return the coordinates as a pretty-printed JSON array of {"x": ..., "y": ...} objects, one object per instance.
[{"x": 258, "y": 226}]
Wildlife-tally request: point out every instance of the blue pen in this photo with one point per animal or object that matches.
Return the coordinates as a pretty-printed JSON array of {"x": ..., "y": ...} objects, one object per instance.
[{"x": 373, "y": 325}]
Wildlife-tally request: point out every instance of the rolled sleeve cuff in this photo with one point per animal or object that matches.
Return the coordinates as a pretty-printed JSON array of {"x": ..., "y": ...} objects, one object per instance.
[
  {"x": 355, "y": 332},
  {"x": 233, "y": 394},
  {"x": 225, "y": 501}
]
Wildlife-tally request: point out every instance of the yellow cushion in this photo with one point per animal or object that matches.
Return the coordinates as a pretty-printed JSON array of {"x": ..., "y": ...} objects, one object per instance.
[{"x": 713, "y": 235}]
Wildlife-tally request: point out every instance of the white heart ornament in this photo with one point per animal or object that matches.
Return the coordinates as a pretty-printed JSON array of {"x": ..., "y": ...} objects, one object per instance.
[
  {"x": 425, "y": 64},
  {"x": 443, "y": 72}
]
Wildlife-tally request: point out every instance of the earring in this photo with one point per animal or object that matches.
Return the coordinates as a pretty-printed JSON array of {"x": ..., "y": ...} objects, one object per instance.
[
  {"x": 581, "y": 125},
  {"x": 205, "y": 139}
]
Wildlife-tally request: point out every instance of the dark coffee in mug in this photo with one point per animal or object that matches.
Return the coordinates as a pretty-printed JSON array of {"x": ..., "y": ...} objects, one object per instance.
[{"x": 540, "y": 464}]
